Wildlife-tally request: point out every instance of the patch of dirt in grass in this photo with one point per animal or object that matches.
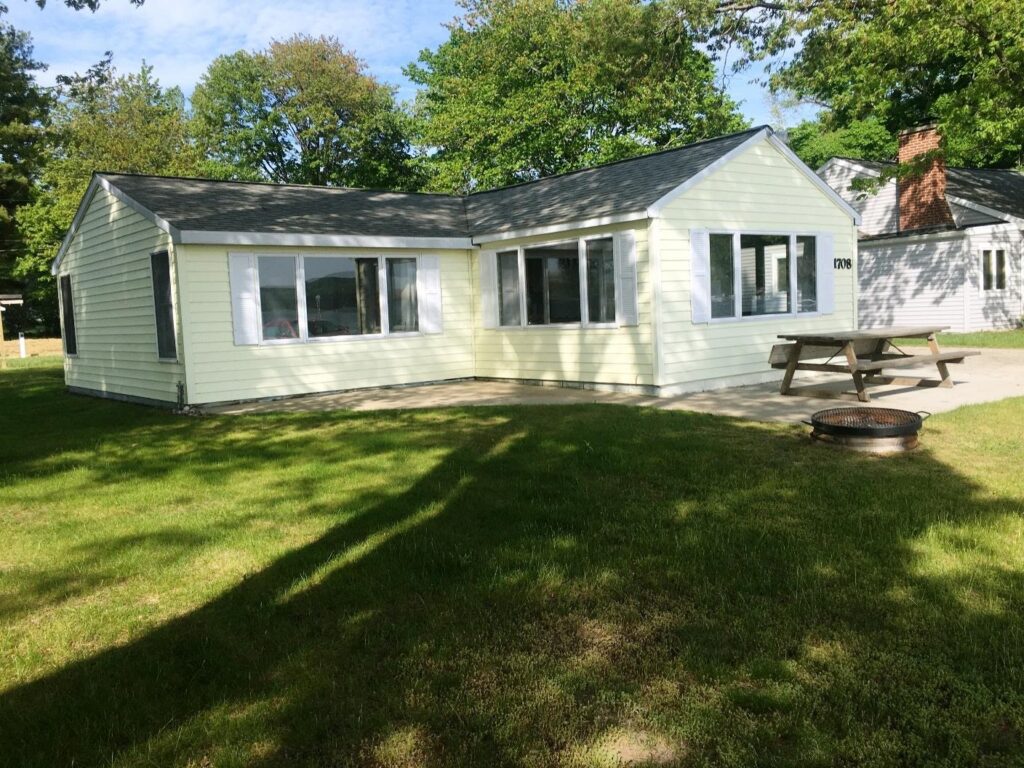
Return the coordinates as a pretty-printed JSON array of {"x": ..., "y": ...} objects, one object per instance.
[{"x": 631, "y": 747}]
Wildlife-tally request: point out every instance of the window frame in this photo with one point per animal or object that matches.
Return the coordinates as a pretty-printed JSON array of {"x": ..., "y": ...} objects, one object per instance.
[
  {"x": 990, "y": 251},
  {"x": 581, "y": 251},
  {"x": 300, "y": 295},
  {"x": 737, "y": 268},
  {"x": 174, "y": 310}
]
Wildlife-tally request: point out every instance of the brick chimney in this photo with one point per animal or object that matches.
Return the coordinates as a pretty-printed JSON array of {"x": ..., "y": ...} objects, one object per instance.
[{"x": 922, "y": 199}]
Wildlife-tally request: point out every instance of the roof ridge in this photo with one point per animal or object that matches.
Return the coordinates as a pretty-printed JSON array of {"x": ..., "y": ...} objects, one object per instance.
[
  {"x": 692, "y": 144},
  {"x": 276, "y": 184}
]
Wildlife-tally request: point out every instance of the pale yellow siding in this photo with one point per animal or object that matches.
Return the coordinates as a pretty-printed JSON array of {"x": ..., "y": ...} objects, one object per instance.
[
  {"x": 219, "y": 371},
  {"x": 760, "y": 190},
  {"x": 621, "y": 356},
  {"x": 111, "y": 284}
]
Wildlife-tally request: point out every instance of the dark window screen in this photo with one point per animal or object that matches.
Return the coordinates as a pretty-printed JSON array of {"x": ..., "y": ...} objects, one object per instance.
[
  {"x": 165, "y": 337},
  {"x": 67, "y": 308}
]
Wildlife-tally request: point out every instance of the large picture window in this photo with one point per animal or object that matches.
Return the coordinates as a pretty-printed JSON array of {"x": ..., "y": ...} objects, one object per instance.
[
  {"x": 314, "y": 297},
  {"x": 564, "y": 283},
  {"x": 761, "y": 268}
]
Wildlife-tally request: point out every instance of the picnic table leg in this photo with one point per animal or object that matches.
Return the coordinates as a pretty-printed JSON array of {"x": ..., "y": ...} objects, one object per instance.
[
  {"x": 858, "y": 377},
  {"x": 933, "y": 345},
  {"x": 791, "y": 364}
]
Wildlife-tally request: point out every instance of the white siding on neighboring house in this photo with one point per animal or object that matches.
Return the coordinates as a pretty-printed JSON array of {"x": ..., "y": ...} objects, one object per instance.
[
  {"x": 879, "y": 211},
  {"x": 109, "y": 263},
  {"x": 759, "y": 191},
  {"x": 936, "y": 280},
  {"x": 219, "y": 370},
  {"x": 620, "y": 356},
  {"x": 913, "y": 281}
]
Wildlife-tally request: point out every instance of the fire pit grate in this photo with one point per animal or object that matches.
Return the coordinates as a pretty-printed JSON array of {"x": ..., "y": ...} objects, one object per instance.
[{"x": 880, "y": 430}]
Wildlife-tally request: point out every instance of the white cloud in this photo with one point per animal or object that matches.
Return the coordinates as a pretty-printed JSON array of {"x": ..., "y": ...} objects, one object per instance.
[{"x": 180, "y": 38}]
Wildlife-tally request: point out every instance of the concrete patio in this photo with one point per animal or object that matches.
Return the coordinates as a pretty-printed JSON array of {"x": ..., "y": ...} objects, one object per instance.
[{"x": 996, "y": 374}]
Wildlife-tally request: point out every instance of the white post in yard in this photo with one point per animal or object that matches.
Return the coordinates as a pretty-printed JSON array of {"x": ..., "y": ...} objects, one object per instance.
[
  {"x": 22, "y": 353},
  {"x": 3, "y": 347}
]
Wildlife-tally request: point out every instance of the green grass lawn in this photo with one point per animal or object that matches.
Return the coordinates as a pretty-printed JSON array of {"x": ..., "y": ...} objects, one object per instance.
[
  {"x": 984, "y": 339},
  {"x": 546, "y": 586}
]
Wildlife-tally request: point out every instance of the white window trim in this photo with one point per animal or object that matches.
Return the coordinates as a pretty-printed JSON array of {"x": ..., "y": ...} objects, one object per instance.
[
  {"x": 300, "y": 294},
  {"x": 991, "y": 249},
  {"x": 737, "y": 277},
  {"x": 584, "y": 324}
]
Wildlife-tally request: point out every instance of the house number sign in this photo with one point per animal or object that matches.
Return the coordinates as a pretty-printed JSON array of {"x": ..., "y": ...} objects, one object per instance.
[{"x": 842, "y": 263}]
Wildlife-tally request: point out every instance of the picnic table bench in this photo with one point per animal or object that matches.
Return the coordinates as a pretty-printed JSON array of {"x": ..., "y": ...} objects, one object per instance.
[{"x": 863, "y": 355}]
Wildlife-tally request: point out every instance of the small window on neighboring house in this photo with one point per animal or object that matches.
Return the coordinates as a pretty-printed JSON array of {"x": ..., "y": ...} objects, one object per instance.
[
  {"x": 993, "y": 267},
  {"x": 67, "y": 308},
  {"x": 165, "y": 337}
]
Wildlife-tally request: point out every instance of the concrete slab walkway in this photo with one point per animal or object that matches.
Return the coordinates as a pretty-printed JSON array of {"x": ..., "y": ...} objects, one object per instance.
[{"x": 994, "y": 375}]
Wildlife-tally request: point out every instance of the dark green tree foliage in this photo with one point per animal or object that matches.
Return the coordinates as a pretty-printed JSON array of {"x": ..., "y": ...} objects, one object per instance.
[
  {"x": 101, "y": 122},
  {"x": 528, "y": 88},
  {"x": 303, "y": 111},
  {"x": 23, "y": 107},
  {"x": 815, "y": 141},
  {"x": 960, "y": 62}
]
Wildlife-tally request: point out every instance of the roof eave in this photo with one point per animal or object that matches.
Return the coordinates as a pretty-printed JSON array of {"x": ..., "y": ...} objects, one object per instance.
[
  {"x": 553, "y": 229},
  {"x": 299, "y": 239}
]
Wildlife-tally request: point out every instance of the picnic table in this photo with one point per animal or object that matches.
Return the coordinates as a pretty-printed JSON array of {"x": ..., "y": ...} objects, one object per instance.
[{"x": 862, "y": 354}]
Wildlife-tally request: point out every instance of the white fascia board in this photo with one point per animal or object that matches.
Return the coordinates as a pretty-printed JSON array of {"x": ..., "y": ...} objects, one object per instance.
[
  {"x": 851, "y": 164},
  {"x": 985, "y": 209},
  {"x": 815, "y": 179},
  {"x": 97, "y": 183},
  {"x": 199, "y": 237},
  {"x": 655, "y": 209},
  {"x": 947, "y": 234},
  {"x": 552, "y": 229}
]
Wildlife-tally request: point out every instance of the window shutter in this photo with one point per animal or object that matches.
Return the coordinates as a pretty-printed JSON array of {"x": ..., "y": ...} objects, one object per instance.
[
  {"x": 428, "y": 289},
  {"x": 489, "y": 289},
  {"x": 244, "y": 296},
  {"x": 700, "y": 276},
  {"x": 626, "y": 300},
  {"x": 826, "y": 274}
]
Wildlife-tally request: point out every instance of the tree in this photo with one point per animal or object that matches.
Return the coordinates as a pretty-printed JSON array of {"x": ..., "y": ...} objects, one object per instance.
[
  {"x": 23, "y": 108},
  {"x": 528, "y": 88},
  {"x": 304, "y": 111},
  {"x": 960, "y": 62},
  {"x": 101, "y": 122},
  {"x": 815, "y": 141}
]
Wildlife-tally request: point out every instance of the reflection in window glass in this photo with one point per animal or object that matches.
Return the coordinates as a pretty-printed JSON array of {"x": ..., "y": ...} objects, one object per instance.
[
  {"x": 553, "y": 284},
  {"x": 601, "y": 281},
  {"x": 723, "y": 277},
  {"x": 1000, "y": 270},
  {"x": 402, "y": 314},
  {"x": 762, "y": 258},
  {"x": 807, "y": 274},
  {"x": 342, "y": 296},
  {"x": 508, "y": 288},
  {"x": 279, "y": 304}
]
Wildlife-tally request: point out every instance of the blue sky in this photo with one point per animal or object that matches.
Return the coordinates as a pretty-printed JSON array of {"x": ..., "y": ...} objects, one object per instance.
[{"x": 179, "y": 38}]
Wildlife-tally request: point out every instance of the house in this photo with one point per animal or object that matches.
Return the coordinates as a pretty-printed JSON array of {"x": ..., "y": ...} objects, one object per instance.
[
  {"x": 943, "y": 248},
  {"x": 662, "y": 274}
]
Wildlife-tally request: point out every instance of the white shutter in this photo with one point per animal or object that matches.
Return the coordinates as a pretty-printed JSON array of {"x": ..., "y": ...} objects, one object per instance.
[
  {"x": 826, "y": 274},
  {"x": 244, "y": 298},
  {"x": 489, "y": 289},
  {"x": 626, "y": 301},
  {"x": 700, "y": 276},
  {"x": 428, "y": 294}
]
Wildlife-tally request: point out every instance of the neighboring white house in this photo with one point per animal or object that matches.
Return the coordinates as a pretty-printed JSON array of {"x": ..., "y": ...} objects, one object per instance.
[
  {"x": 941, "y": 249},
  {"x": 666, "y": 273}
]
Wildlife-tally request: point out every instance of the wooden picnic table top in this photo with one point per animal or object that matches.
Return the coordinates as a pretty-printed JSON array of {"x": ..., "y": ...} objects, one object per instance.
[{"x": 841, "y": 337}]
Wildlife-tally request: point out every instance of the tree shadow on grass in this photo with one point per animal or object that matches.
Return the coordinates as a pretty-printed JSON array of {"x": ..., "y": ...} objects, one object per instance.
[{"x": 580, "y": 586}]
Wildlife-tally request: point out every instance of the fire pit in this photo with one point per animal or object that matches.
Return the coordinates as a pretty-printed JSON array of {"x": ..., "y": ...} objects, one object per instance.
[{"x": 874, "y": 430}]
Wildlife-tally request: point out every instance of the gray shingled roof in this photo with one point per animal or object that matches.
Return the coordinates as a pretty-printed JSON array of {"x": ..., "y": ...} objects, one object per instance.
[
  {"x": 622, "y": 187},
  {"x": 228, "y": 206}
]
